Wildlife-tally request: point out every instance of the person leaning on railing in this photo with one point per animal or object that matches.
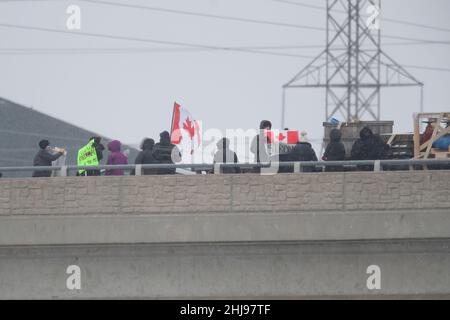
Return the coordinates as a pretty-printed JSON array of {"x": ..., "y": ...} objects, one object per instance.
[
  {"x": 90, "y": 155},
  {"x": 146, "y": 157},
  {"x": 165, "y": 152},
  {"x": 225, "y": 155},
  {"x": 335, "y": 151},
  {"x": 303, "y": 152},
  {"x": 44, "y": 158},
  {"x": 369, "y": 146}
]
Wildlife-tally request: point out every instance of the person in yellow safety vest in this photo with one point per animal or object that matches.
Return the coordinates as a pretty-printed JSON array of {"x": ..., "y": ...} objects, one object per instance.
[{"x": 90, "y": 155}]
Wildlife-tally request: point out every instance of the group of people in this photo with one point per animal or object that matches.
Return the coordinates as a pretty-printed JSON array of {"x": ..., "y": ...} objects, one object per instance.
[
  {"x": 368, "y": 147},
  {"x": 91, "y": 154}
]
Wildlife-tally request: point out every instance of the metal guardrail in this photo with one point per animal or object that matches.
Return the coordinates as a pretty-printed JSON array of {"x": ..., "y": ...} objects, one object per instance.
[{"x": 217, "y": 168}]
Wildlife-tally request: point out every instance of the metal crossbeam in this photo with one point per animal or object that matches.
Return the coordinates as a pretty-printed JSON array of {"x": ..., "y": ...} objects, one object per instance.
[{"x": 352, "y": 68}]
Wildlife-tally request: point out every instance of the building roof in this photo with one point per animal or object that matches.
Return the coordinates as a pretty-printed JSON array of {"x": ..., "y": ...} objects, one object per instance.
[{"x": 21, "y": 129}]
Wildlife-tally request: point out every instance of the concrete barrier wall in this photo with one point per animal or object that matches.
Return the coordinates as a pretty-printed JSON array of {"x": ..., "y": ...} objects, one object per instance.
[
  {"x": 335, "y": 192},
  {"x": 408, "y": 269},
  {"x": 235, "y": 208},
  {"x": 237, "y": 236}
]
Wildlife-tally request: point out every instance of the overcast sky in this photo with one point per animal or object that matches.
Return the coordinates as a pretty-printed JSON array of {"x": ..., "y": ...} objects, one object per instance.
[{"x": 129, "y": 95}]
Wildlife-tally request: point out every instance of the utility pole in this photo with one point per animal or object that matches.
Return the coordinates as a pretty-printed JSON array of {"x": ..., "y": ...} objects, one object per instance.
[{"x": 353, "y": 68}]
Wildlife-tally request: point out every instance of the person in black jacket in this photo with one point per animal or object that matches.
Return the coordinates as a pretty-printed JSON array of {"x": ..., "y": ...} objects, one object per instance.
[
  {"x": 146, "y": 156},
  {"x": 369, "y": 147},
  {"x": 225, "y": 155},
  {"x": 303, "y": 152},
  {"x": 362, "y": 149},
  {"x": 165, "y": 152},
  {"x": 44, "y": 158},
  {"x": 335, "y": 150}
]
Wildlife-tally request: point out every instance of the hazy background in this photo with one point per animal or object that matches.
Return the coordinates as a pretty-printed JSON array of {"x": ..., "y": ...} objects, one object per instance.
[{"x": 129, "y": 94}]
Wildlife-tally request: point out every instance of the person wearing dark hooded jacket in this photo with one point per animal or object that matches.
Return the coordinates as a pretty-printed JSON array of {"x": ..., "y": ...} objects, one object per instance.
[
  {"x": 361, "y": 149},
  {"x": 335, "y": 150},
  {"x": 369, "y": 147},
  {"x": 116, "y": 157},
  {"x": 44, "y": 158},
  {"x": 303, "y": 152},
  {"x": 146, "y": 156},
  {"x": 165, "y": 152},
  {"x": 225, "y": 155}
]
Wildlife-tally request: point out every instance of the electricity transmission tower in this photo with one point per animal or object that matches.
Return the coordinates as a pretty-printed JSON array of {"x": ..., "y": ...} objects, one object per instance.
[{"x": 352, "y": 68}]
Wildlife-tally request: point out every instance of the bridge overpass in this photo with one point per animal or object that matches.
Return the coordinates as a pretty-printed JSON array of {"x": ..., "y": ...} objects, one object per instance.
[{"x": 344, "y": 235}]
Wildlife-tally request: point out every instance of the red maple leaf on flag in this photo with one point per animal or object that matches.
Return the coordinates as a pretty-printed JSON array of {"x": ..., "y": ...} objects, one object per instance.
[
  {"x": 281, "y": 137},
  {"x": 189, "y": 127}
]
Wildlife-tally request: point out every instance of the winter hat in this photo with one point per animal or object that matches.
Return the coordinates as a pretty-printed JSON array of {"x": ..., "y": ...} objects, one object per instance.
[
  {"x": 223, "y": 144},
  {"x": 147, "y": 144},
  {"x": 366, "y": 133},
  {"x": 264, "y": 124},
  {"x": 97, "y": 140},
  {"x": 114, "y": 146},
  {"x": 44, "y": 144},
  {"x": 335, "y": 135},
  {"x": 303, "y": 136},
  {"x": 164, "y": 135}
]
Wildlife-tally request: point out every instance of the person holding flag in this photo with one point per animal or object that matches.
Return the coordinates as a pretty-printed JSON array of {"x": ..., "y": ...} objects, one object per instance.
[{"x": 185, "y": 132}]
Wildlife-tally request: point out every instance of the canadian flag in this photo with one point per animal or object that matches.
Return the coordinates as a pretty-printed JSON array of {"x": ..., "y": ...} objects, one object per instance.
[
  {"x": 285, "y": 136},
  {"x": 185, "y": 129}
]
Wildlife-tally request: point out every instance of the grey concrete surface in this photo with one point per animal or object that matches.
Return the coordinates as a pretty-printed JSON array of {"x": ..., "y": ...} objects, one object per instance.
[
  {"x": 271, "y": 270},
  {"x": 286, "y": 236},
  {"x": 230, "y": 227}
]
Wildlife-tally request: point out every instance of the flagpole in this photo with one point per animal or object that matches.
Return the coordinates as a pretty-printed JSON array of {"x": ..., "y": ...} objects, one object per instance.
[{"x": 171, "y": 123}]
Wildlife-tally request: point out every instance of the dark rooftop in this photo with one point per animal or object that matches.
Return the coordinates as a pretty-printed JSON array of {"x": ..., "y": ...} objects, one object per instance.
[{"x": 21, "y": 128}]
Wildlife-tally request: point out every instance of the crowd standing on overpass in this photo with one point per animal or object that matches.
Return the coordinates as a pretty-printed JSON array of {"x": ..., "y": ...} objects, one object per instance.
[{"x": 369, "y": 146}]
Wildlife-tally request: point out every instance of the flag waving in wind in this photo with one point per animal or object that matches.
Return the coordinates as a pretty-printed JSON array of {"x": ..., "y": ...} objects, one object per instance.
[{"x": 185, "y": 129}]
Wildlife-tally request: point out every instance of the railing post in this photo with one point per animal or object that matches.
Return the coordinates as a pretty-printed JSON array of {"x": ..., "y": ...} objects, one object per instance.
[
  {"x": 297, "y": 167},
  {"x": 64, "y": 171},
  {"x": 217, "y": 168},
  {"x": 138, "y": 170},
  {"x": 377, "y": 166}
]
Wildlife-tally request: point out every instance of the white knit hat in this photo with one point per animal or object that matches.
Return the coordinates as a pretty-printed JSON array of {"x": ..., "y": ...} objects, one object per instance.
[{"x": 304, "y": 136}]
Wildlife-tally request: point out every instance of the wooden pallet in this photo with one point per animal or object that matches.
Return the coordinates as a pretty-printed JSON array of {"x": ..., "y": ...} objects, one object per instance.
[
  {"x": 425, "y": 150},
  {"x": 439, "y": 154}
]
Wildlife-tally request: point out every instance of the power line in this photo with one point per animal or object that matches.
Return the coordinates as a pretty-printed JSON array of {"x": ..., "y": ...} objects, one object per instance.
[
  {"x": 136, "y": 39},
  {"x": 281, "y": 24},
  {"x": 44, "y": 51},
  {"x": 119, "y": 50},
  {"x": 203, "y": 15},
  {"x": 403, "y": 22},
  {"x": 26, "y": 1},
  {"x": 427, "y": 68},
  {"x": 101, "y": 2},
  {"x": 304, "y": 5},
  {"x": 108, "y": 50}
]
